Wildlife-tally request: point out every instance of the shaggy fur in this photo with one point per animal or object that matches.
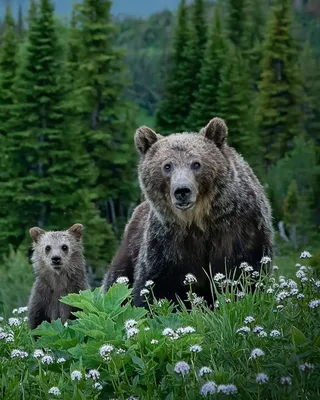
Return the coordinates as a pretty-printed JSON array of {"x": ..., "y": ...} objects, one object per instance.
[
  {"x": 59, "y": 266},
  {"x": 227, "y": 220}
]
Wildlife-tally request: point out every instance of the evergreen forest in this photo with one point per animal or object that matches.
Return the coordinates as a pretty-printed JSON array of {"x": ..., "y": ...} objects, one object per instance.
[{"x": 73, "y": 93}]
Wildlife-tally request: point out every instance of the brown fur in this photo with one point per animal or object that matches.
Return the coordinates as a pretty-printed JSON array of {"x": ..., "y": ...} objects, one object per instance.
[
  {"x": 229, "y": 221},
  {"x": 55, "y": 280}
]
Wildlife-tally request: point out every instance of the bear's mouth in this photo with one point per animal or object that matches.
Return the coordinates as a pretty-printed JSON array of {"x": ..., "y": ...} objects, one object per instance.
[{"x": 184, "y": 206}]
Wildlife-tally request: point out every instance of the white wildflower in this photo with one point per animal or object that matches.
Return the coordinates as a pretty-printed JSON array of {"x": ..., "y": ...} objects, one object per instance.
[
  {"x": 122, "y": 280},
  {"x": 189, "y": 279},
  {"x": 257, "y": 329},
  {"x": 249, "y": 319},
  {"x": 38, "y": 353},
  {"x": 275, "y": 268},
  {"x": 47, "y": 360},
  {"x": 300, "y": 274},
  {"x": 270, "y": 291},
  {"x": 294, "y": 292},
  {"x": 317, "y": 283},
  {"x": 186, "y": 329},
  {"x": 149, "y": 283},
  {"x": 262, "y": 334},
  {"x": 304, "y": 279},
  {"x": 55, "y": 391},
  {"x": 132, "y": 331},
  {"x": 105, "y": 350},
  {"x": 197, "y": 300},
  {"x": 256, "y": 353},
  {"x": 20, "y": 310},
  {"x": 182, "y": 368},
  {"x": 9, "y": 338},
  {"x": 93, "y": 374},
  {"x": 121, "y": 351},
  {"x": 14, "y": 322},
  {"x": 97, "y": 386},
  {"x": 306, "y": 366},
  {"x": 265, "y": 260},
  {"x": 274, "y": 333},
  {"x": 1, "y": 319},
  {"x": 154, "y": 341},
  {"x": 147, "y": 329},
  {"x": 248, "y": 268},
  {"x": 282, "y": 295},
  {"x": 280, "y": 307},
  {"x": 130, "y": 323},
  {"x": 25, "y": 319},
  {"x": 227, "y": 389},
  {"x": 255, "y": 274},
  {"x": 76, "y": 375},
  {"x": 195, "y": 348},
  {"x": 261, "y": 378},
  {"x": 244, "y": 265},
  {"x": 216, "y": 304},
  {"x": 285, "y": 380},
  {"x": 61, "y": 360},
  {"x": 204, "y": 370},
  {"x": 3, "y": 335},
  {"x": 305, "y": 254},
  {"x": 66, "y": 324},
  {"x": 227, "y": 300},
  {"x": 240, "y": 295},
  {"x": 242, "y": 330},
  {"x": 168, "y": 332},
  {"x": 208, "y": 388},
  {"x": 18, "y": 354},
  {"x": 314, "y": 303},
  {"x": 218, "y": 277},
  {"x": 144, "y": 292},
  {"x": 300, "y": 296}
]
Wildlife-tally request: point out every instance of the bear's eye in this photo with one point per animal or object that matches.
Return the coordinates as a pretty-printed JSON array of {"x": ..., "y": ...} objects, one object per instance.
[
  {"x": 196, "y": 165},
  {"x": 167, "y": 167},
  {"x": 48, "y": 248},
  {"x": 64, "y": 247}
]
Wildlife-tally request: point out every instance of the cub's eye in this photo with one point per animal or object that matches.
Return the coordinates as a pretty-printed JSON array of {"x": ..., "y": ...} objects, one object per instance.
[
  {"x": 167, "y": 167},
  {"x": 48, "y": 248},
  {"x": 64, "y": 247},
  {"x": 196, "y": 165}
]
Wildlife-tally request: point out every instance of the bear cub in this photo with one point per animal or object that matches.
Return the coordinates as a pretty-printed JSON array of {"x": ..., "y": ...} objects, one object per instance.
[
  {"x": 203, "y": 207},
  {"x": 59, "y": 266}
]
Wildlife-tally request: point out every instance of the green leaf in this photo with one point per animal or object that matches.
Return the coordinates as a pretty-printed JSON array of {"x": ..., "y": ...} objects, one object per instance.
[
  {"x": 298, "y": 338},
  {"x": 138, "y": 362}
]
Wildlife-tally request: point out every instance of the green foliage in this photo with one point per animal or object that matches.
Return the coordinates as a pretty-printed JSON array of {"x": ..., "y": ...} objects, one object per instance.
[
  {"x": 205, "y": 106},
  {"x": 279, "y": 113},
  {"x": 175, "y": 104},
  {"x": 116, "y": 350},
  {"x": 236, "y": 20},
  {"x": 16, "y": 281}
]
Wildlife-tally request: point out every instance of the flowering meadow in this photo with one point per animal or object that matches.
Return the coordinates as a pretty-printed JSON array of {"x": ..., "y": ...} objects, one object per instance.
[{"x": 261, "y": 345}]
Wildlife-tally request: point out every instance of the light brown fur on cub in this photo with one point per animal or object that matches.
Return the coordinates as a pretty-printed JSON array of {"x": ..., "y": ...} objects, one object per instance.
[{"x": 59, "y": 266}]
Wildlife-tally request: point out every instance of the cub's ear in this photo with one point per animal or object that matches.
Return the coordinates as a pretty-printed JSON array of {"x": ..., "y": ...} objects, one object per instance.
[
  {"x": 216, "y": 130},
  {"x": 144, "y": 138},
  {"x": 36, "y": 233},
  {"x": 76, "y": 231}
]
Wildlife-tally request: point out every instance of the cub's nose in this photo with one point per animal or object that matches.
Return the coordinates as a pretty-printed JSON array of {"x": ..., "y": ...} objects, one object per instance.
[
  {"x": 56, "y": 260},
  {"x": 182, "y": 194}
]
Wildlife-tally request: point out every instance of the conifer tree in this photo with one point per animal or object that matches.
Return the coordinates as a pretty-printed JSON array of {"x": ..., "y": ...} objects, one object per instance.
[
  {"x": 8, "y": 72},
  {"x": 205, "y": 106},
  {"x": 236, "y": 18},
  {"x": 233, "y": 102},
  {"x": 104, "y": 118},
  {"x": 175, "y": 105},
  {"x": 278, "y": 113}
]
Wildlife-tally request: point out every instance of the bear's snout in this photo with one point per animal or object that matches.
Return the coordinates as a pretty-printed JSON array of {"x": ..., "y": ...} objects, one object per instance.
[{"x": 183, "y": 191}]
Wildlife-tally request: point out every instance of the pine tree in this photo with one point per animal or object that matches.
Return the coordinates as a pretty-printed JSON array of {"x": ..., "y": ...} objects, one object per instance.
[
  {"x": 205, "y": 106},
  {"x": 175, "y": 105},
  {"x": 20, "y": 24},
  {"x": 104, "y": 118},
  {"x": 8, "y": 72},
  {"x": 236, "y": 18},
  {"x": 278, "y": 113},
  {"x": 234, "y": 102},
  {"x": 194, "y": 52},
  {"x": 253, "y": 36}
]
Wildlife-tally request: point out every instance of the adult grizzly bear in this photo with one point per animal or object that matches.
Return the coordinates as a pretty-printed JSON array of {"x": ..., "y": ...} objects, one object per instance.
[{"x": 203, "y": 205}]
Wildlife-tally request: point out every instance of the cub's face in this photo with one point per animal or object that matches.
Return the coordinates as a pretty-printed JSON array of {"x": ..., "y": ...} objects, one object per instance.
[
  {"x": 55, "y": 249},
  {"x": 180, "y": 173}
]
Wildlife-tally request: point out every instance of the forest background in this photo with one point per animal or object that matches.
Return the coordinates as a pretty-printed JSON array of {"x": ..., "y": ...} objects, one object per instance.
[{"x": 73, "y": 91}]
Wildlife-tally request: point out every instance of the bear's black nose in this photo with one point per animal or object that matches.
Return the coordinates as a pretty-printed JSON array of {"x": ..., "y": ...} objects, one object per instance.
[
  {"x": 56, "y": 260},
  {"x": 182, "y": 194}
]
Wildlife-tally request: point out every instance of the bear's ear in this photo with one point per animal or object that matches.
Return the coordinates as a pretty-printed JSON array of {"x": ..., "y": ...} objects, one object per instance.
[
  {"x": 144, "y": 138},
  {"x": 216, "y": 130},
  {"x": 76, "y": 231},
  {"x": 36, "y": 233}
]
